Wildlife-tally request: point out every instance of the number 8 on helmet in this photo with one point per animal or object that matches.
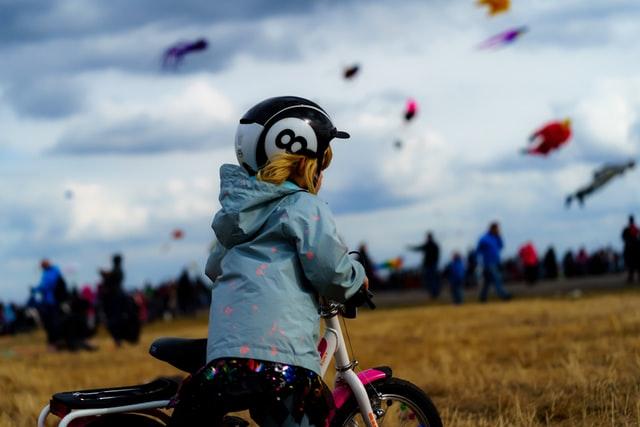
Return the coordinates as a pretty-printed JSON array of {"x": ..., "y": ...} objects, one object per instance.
[{"x": 283, "y": 124}]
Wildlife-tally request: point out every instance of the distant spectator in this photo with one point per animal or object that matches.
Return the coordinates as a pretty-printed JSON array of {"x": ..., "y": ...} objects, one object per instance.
[
  {"x": 569, "y": 265},
  {"x": 550, "y": 264},
  {"x": 375, "y": 283},
  {"x": 430, "y": 259},
  {"x": 8, "y": 318},
  {"x": 582, "y": 262},
  {"x": 529, "y": 259},
  {"x": 52, "y": 288},
  {"x": 489, "y": 247},
  {"x": 631, "y": 239},
  {"x": 185, "y": 294},
  {"x": 471, "y": 273},
  {"x": 119, "y": 309},
  {"x": 455, "y": 274},
  {"x": 75, "y": 324},
  {"x": 89, "y": 295}
]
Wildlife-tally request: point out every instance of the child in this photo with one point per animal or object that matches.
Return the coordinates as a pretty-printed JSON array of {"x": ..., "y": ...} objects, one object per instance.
[
  {"x": 455, "y": 273},
  {"x": 277, "y": 252}
]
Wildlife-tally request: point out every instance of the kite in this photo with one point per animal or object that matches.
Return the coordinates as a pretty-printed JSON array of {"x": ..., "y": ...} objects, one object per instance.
[
  {"x": 504, "y": 38},
  {"x": 495, "y": 6},
  {"x": 391, "y": 264},
  {"x": 397, "y": 144},
  {"x": 68, "y": 194},
  {"x": 600, "y": 177},
  {"x": 350, "y": 72},
  {"x": 410, "y": 110},
  {"x": 174, "y": 55},
  {"x": 177, "y": 234},
  {"x": 550, "y": 137}
]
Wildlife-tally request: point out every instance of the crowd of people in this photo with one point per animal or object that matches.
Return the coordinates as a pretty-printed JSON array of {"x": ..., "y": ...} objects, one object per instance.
[
  {"x": 484, "y": 268},
  {"x": 70, "y": 316}
]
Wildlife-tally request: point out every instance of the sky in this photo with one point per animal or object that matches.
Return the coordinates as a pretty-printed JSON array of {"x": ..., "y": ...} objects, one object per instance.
[{"x": 103, "y": 151}]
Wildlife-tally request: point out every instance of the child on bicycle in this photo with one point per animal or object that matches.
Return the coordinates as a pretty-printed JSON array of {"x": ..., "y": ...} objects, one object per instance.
[{"x": 277, "y": 252}]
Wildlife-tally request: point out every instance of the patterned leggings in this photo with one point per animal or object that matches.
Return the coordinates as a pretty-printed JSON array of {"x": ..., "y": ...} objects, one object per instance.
[{"x": 275, "y": 394}]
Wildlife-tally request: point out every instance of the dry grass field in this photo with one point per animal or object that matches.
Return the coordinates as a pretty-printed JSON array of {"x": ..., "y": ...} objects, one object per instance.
[{"x": 527, "y": 362}]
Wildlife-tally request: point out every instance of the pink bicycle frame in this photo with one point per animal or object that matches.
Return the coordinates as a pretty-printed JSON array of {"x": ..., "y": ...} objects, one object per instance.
[{"x": 347, "y": 382}]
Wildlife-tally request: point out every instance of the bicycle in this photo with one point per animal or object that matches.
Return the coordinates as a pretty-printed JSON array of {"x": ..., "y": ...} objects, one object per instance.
[{"x": 369, "y": 398}]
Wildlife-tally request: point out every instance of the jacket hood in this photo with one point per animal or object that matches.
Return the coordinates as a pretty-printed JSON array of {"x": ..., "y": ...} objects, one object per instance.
[{"x": 246, "y": 205}]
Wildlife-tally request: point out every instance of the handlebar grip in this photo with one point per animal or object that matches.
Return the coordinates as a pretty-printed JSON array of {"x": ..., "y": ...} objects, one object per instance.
[{"x": 369, "y": 300}]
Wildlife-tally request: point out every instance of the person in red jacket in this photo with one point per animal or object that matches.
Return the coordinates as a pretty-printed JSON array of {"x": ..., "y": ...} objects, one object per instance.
[
  {"x": 548, "y": 138},
  {"x": 529, "y": 259}
]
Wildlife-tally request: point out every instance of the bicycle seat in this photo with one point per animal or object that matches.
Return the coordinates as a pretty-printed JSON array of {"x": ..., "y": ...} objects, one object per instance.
[
  {"x": 188, "y": 355},
  {"x": 160, "y": 389}
]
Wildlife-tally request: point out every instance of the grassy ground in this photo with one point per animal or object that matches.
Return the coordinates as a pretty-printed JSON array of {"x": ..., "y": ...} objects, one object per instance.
[{"x": 523, "y": 363}]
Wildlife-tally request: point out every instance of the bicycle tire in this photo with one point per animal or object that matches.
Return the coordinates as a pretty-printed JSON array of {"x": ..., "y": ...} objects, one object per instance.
[
  {"x": 123, "y": 420},
  {"x": 395, "y": 398}
]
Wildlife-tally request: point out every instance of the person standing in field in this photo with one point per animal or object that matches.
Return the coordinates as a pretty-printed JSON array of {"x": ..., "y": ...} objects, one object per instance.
[
  {"x": 431, "y": 256},
  {"x": 489, "y": 247},
  {"x": 455, "y": 274},
  {"x": 550, "y": 264},
  {"x": 631, "y": 239},
  {"x": 119, "y": 309},
  {"x": 52, "y": 289},
  {"x": 529, "y": 258}
]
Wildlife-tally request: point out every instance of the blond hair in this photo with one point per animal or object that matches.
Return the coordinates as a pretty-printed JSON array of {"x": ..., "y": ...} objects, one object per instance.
[{"x": 285, "y": 166}]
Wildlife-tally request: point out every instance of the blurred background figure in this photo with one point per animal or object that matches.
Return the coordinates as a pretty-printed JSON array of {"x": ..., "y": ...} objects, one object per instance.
[
  {"x": 119, "y": 309},
  {"x": 430, "y": 258},
  {"x": 582, "y": 262},
  {"x": 550, "y": 264},
  {"x": 568, "y": 264},
  {"x": 52, "y": 291},
  {"x": 529, "y": 259},
  {"x": 7, "y": 319},
  {"x": 369, "y": 267},
  {"x": 185, "y": 294},
  {"x": 471, "y": 272},
  {"x": 455, "y": 274},
  {"x": 631, "y": 239},
  {"x": 489, "y": 247}
]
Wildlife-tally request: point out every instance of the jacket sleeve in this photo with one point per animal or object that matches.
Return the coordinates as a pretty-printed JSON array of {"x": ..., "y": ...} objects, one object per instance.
[
  {"x": 213, "y": 269},
  {"x": 323, "y": 256}
]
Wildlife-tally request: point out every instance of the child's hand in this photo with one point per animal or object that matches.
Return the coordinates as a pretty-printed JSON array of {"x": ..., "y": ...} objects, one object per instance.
[{"x": 365, "y": 282}]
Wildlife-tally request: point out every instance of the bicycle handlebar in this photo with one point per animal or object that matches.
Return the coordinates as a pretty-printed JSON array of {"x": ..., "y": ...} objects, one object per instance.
[{"x": 350, "y": 307}]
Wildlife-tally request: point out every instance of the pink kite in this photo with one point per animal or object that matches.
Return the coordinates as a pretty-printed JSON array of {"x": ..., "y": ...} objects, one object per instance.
[{"x": 410, "y": 110}]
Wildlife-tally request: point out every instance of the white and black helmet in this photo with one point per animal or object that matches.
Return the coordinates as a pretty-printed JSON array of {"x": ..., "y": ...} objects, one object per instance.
[{"x": 283, "y": 124}]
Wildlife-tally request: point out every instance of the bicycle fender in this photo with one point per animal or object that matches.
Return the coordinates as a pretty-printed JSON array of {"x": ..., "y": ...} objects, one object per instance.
[{"x": 342, "y": 392}]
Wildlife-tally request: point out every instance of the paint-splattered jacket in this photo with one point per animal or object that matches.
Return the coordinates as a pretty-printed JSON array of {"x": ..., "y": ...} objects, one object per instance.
[{"x": 277, "y": 251}]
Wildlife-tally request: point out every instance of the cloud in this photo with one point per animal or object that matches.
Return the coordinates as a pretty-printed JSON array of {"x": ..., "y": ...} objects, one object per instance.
[
  {"x": 49, "y": 97},
  {"x": 31, "y": 21},
  {"x": 192, "y": 116},
  {"x": 50, "y": 89}
]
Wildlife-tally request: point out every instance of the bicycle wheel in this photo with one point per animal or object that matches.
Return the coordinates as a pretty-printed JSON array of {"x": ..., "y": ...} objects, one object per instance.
[
  {"x": 123, "y": 420},
  {"x": 395, "y": 403}
]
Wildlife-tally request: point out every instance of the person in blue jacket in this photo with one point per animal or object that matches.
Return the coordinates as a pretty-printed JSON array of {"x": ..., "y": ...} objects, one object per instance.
[
  {"x": 49, "y": 289},
  {"x": 276, "y": 253},
  {"x": 455, "y": 273},
  {"x": 489, "y": 247}
]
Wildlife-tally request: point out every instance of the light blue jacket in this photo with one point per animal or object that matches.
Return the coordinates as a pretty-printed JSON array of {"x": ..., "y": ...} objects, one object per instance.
[{"x": 277, "y": 250}]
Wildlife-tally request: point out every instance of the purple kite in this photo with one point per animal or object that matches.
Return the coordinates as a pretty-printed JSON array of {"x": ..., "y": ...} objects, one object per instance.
[
  {"x": 503, "y": 38},
  {"x": 174, "y": 55}
]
